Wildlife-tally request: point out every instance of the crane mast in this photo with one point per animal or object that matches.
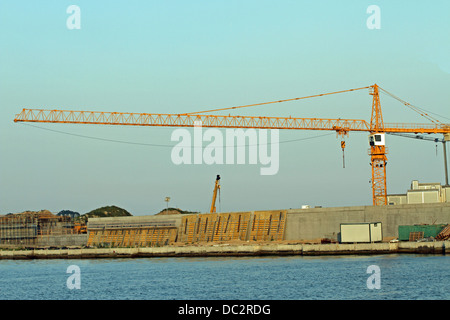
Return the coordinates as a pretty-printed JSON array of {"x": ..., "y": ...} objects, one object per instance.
[{"x": 378, "y": 158}]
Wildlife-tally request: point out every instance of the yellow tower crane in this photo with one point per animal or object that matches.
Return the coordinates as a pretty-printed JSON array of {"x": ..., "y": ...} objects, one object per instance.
[{"x": 376, "y": 127}]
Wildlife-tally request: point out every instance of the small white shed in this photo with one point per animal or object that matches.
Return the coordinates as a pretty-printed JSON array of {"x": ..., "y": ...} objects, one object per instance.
[{"x": 361, "y": 232}]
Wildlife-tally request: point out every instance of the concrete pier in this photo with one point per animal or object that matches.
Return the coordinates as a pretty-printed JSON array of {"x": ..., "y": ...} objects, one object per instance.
[{"x": 435, "y": 247}]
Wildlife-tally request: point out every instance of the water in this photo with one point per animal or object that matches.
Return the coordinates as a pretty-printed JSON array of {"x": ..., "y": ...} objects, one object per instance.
[{"x": 405, "y": 277}]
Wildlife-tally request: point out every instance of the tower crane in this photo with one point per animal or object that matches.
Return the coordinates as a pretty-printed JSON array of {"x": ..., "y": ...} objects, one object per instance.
[{"x": 376, "y": 127}]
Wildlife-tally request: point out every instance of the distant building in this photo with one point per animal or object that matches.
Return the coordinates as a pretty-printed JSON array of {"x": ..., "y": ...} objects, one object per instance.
[{"x": 421, "y": 193}]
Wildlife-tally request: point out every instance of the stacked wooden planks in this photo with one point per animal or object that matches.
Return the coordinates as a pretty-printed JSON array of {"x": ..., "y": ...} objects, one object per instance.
[{"x": 444, "y": 234}]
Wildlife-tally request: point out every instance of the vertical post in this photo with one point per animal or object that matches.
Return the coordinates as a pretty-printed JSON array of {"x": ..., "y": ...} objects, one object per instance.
[
  {"x": 167, "y": 199},
  {"x": 445, "y": 161},
  {"x": 216, "y": 187}
]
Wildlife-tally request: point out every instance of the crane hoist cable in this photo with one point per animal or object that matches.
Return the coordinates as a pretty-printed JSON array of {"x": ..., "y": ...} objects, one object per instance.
[
  {"x": 419, "y": 110},
  {"x": 277, "y": 101},
  {"x": 286, "y": 100},
  {"x": 159, "y": 145}
]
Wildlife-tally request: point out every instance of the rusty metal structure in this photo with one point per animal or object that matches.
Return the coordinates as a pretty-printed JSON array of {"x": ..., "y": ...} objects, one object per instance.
[
  {"x": 376, "y": 128},
  {"x": 237, "y": 226},
  {"x": 119, "y": 233},
  {"x": 33, "y": 228},
  {"x": 254, "y": 226},
  {"x": 18, "y": 230}
]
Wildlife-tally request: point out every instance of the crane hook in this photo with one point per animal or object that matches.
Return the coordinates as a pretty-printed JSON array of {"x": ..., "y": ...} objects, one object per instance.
[{"x": 343, "y": 156}]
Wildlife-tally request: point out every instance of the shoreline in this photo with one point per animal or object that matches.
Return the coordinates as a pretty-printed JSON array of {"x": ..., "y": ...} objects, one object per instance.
[{"x": 220, "y": 250}]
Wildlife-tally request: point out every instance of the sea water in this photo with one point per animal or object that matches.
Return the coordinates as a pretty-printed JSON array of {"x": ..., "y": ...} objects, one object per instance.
[{"x": 399, "y": 276}]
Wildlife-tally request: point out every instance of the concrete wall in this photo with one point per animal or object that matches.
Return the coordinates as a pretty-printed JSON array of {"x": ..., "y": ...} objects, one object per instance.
[
  {"x": 438, "y": 247},
  {"x": 309, "y": 224},
  {"x": 78, "y": 240},
  {"x": 302, "y": 224},
  {"x": 316, "y": 223}
]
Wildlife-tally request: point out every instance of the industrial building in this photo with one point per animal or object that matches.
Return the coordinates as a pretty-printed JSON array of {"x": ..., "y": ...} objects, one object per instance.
[{"x": 421, "y": 193}]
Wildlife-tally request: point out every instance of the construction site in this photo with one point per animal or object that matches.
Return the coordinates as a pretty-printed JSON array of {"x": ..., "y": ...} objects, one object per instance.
[
  {"x": 420, "y": 215},
  {"x": 38, "y": 229},
  {"x": 423, "y": 225}
]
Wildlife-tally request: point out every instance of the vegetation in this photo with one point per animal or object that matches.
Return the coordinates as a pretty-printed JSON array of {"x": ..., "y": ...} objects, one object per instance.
[
  {"x": 108, "y": 211},
  {"x": 114, "y": 211},
  {"x": 175, "y": 211}
]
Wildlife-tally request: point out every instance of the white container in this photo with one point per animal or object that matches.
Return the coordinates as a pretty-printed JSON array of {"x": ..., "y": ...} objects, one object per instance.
[{"x": 361, "y": 232}]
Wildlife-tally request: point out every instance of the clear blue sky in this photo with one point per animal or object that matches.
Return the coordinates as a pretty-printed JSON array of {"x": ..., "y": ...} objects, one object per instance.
[{"x": 181, "y": 56}]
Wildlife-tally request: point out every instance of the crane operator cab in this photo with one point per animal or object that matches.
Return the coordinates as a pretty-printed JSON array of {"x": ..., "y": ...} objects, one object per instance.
[{"x": 377, "y": 139}]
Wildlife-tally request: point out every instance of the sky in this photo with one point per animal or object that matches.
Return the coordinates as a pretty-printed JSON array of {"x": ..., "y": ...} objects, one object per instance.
[{"x": 185, "y": 56}]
